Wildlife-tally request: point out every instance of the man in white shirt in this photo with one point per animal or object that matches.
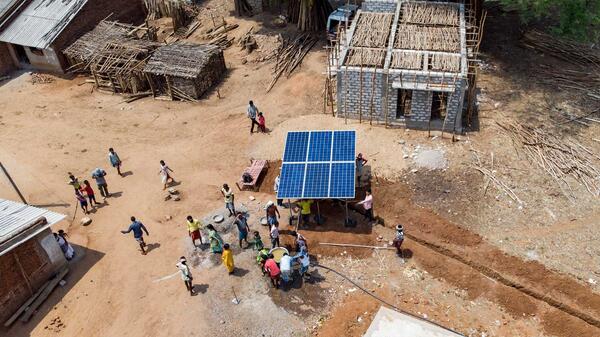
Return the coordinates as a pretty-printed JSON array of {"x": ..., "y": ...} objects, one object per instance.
[
  {"x": 276, "y": 189},
  {"x": 275, "y": 235},
  {"x": 252, "y": 113},
  {"x": 368, "y": 205},
  {"x": 229, "y": 197},
  {"x": 285, "y": 265}
]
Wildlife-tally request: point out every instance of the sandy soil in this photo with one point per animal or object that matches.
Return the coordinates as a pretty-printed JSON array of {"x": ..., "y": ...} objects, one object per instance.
[{"x": 474, "y": 262}]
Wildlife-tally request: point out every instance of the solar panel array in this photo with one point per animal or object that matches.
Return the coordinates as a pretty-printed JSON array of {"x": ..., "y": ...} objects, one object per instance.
[{"x": 318, "y": 165}]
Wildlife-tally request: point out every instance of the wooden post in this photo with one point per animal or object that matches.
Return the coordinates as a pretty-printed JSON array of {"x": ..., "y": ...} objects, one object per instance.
[
  {"x": 387, "y": 86},
  {"x": 12, "y": 182},
  {"x": 346, "y": 95},
  {"x": 170, "y": 91},
  {"x": 360, "y": 95},
  {"x": 149, "y": 79}
]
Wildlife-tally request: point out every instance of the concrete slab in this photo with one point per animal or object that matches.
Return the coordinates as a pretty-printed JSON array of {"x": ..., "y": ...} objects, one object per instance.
[{"x": 390, "y": 323}]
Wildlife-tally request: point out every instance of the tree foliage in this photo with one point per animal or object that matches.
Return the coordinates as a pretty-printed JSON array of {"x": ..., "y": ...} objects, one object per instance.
[{"x": 577, "y": 19}]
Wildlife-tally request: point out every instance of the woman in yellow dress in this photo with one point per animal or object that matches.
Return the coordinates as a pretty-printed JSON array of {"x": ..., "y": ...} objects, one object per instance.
[{"x": 227, "y": 258}]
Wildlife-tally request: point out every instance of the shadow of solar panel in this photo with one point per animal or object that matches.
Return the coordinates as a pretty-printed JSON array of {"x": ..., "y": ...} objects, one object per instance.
[
  {"x": 316, "y": 184},
  {"x": 295, "y": 147},
  {"x": 291, "y": 181},
  {"x": 320, "y": 146},
  {"x": 343, "y": 145},
  {"x": 342, "y": 180}
]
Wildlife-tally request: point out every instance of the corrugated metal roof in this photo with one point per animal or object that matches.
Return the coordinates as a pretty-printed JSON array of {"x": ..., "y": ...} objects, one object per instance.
[
  {"x": 15, "y": 218},
  {"x": 41, "y": 22}
]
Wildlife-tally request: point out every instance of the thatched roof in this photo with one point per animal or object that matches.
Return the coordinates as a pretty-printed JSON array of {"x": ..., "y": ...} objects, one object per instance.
[{"x": 181, "y": 59}]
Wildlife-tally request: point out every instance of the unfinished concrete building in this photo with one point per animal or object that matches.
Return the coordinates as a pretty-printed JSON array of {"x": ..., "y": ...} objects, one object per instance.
[{"x": 404, "y": 63}]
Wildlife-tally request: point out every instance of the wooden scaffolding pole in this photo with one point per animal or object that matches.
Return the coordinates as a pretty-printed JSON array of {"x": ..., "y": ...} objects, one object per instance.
[
  {"x": 360, "y": 95},
  {"x": 372, "y": 95}
]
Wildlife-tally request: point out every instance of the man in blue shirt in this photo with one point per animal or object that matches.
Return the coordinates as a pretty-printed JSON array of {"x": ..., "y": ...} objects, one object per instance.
[
  {"x": 138, "y": 229},
  {"x": 98, "y": 174}
]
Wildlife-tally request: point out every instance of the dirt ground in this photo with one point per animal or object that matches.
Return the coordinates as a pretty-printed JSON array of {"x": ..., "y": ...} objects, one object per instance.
[{"x": 475, "y": 262}]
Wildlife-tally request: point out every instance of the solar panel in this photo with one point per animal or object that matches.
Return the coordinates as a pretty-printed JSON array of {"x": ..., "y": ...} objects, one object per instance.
[{"x": 318, "y": 165}]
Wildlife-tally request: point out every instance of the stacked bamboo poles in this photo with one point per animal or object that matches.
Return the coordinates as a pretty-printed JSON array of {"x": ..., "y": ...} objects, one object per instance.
[
  {"x": 429, "y": 13},
  {"x": 559, "y": 158},
  {"x": 445, "y": 62},
  {"x": 406, "y": 60},
  {"x": 365, "y": 57},
  {"x": 566, "y": 50},
  {"x": 372, "y": 30},
  {"x": 416, "y": 37},
  {"x": 167, "y": 8},
  {"x": 290, "y": 55}
]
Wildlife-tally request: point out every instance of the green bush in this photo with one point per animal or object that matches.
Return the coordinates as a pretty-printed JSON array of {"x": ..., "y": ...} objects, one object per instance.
[{"x": 576, "y": 19}]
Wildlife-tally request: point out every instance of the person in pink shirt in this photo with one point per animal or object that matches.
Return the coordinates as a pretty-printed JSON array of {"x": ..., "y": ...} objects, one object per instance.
[
  {"x": 273, "y": 270},
  {"x": 368, "y": 205}
]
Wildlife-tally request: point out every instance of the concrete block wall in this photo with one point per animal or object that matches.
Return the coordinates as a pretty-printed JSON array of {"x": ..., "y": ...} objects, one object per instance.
[
  {"x": 379, "y": 6},
  {"x": 421, "y": 100}
]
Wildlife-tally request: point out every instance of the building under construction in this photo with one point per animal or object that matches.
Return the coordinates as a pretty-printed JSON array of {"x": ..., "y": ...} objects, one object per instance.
[{"x": 406, "y": 63}]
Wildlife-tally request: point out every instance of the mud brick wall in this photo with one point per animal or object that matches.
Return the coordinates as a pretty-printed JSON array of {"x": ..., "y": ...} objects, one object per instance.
[
  {"x": 6, "y": 62},
  {"x": 379, "y": 6}
]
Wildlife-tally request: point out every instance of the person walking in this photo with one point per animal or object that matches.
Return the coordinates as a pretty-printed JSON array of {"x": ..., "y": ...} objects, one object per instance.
[
  {"x": 398, "y": 240},
  {"x": 138, "y": 229},
  {"x": 165, "y": 174},
  {"x": 273, "y": 270},
  {"x": 98, "y": 174},
  {"x": 368, "y": 205},
  {"x": 262, "y": 124},
  {"x": 227, "y": 258},
  {"x": 229, "y": 199},
  {"x": 274, "y": 235},
  {"x": 194, "y": 226},
  {"x": 216, "y": 243},
  {"x": 89, "y": 191},
  {"x": 242, "y": 225},
  {"x": 272, "y": 213},
  {"x": 186, "y": 275},
  {"x": 305, "y": 211},
  {"x": 115, "y": 161},
  {"x": 82, "y": 202},
  {"x": 252, "y": 113}
]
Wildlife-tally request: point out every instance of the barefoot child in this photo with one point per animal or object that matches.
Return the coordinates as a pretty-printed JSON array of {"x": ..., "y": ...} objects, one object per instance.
[
  {"x": 87, "y": 188},
  {"x": 82, "y": 202},
  {"x": 261, "y": 123}
]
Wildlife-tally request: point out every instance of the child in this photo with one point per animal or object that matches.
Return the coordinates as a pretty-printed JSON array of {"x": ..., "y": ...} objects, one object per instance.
[
  {"x": 227, "y": 258},
  {"x": 165, "y": 174},
  {"x": 82, "y": 202},
  {"x": 273, "y": 270},
  {"x": 261, "y": 122},
  {"x": 398, "y": 240},
  {"x": 115, "y": 161},
  {"x": 261, "y": 258},
  {"x": 257, "y": 244},
  {"x": 90, "y": 193}
]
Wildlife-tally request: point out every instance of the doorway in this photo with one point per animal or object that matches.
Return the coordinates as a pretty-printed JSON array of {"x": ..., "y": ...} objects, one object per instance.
[
  {"x": 404, "y": 103},
  {"x": 438, "y": 105},
  {"x": 21, "y": 54}
]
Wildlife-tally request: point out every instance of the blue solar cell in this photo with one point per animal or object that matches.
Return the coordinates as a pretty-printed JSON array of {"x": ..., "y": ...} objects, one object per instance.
[
  {"x": 320, "y": 146},
  {"x": 291, "y": 181},
  {"x": 342, "y": 180},
  {"x": 344, "y": 145},
  {"x": 296, "y": 147},
  {"x": 316, "y": 184}
]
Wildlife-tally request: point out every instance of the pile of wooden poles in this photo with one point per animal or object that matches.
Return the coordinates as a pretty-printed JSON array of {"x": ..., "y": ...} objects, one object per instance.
[
  {"x": 290, "y": 54},
  {"x": 559, "y": 158},
  {"x": 217, "y": 35},
  {"x": 309, "y": 15},
  {"x": 569, "y": 51}
]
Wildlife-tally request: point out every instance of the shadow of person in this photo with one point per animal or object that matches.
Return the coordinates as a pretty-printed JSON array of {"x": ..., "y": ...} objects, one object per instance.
[
  {"x": 152, "y": 246},
  {"x": 240, "y": 272},
  {"x": 407, "y": 253},
  {"x": 200, "y": 288},
  {"x": 174, "y": 183},
  {"x": 126, "y": 174},
  {"x": 116, "y": 194}
]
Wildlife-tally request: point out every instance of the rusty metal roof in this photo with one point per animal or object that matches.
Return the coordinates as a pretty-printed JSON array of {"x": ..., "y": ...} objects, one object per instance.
[
  {"x": 17, "y": 222},
  {"x": 41, "y": 22}
]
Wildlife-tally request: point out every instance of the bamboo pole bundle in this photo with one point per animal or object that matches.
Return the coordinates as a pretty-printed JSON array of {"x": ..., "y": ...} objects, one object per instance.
[
  {"x": 430, "y": 13},
  {"x": 559, "y": 158},
  {"x": 372, "y": 30},
  {"x": 416, "y": 37},
  {"x": 290, "y": 55},
  {"x": 563, "y": 49},
  {"x": 445, "y": 62},
  {"x": 365, "y": 57},
  {"x": 406, "y": 60}
]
